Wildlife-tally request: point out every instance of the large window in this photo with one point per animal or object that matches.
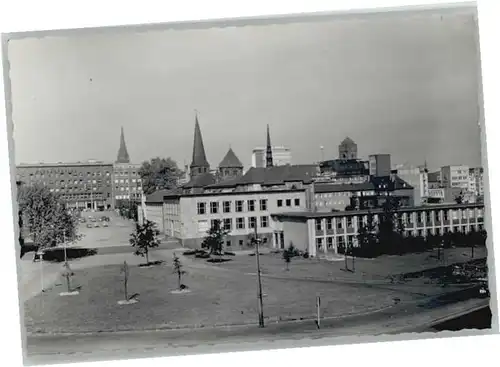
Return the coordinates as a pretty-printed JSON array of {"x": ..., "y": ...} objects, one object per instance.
[
  {"x": 280, "y": 203},
  {"x": 228, "y": 224},
  {"x": 240, "y": 223},
  {"x": 251, "y": 205},
  {"x": 252, "y": 222},
  {"x": 202, "y": 208},
  {"x": 214, "y": 207},
  {"x": 339, "y": 223},
  {"x": 329, "y": 223},
  {"x": 239, "y": 206},
  {"x": 319, "y": 225},
  {"x": 263, "y": 204},
  {"x": 226, "y": 205},
  {"x": 264, "y": 221},
  {"x": 297, "y": 202},
  {"x": 288, "y": 202}
]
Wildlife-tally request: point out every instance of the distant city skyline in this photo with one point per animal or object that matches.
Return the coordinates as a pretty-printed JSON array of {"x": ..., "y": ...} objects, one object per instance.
[{"x": 406, "y": 85}]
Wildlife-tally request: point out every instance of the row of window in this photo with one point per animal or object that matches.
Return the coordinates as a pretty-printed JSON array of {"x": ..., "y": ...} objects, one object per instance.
[
  {"x": 341, "y": 240},
  {"x": 70, "y": 189},
  {"x": 72, "y": 173},
  {"x": 127, "y": 181},
  {"x": 242, "y": 223},
  {"x": 239, "y": 205},
  {"x": 406, "y": 218}
]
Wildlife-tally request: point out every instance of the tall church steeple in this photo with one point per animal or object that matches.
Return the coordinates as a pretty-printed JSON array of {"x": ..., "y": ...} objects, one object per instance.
[
  {"x": 269, "y": 150},
  {"x": 123, "y": 156},
  {"x": 199, "y": 164}
]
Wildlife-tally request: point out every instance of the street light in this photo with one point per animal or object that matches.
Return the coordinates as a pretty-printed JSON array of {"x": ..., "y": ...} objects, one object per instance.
[{"x": 261, "y": 311}]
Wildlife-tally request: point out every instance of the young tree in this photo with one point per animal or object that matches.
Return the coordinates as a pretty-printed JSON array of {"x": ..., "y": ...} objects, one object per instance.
[
  {"x": 178, "y": 269},
  {"x": 214, "y": 240},
  {"x": 159, "y": 174},
  {"x": 45, "y": 216},
  {"x": 287, "y": 256},
  {"x": 125, "y": 271},
  {"x": 144, "y": 238},
  {"x": 68, "y": 273}
]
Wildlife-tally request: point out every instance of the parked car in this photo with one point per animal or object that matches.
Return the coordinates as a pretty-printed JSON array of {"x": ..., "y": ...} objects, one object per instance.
[
  {"x": 96, "y": 225},
  {"x": 93, "y": 220},
  {"x": 89, "y": 225},
  {"x": 105, "y": 224},
  {"x": 82, "y": 220}
]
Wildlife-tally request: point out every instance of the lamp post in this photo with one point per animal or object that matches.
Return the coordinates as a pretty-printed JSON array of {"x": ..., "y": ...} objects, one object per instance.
[{"x": 261, "y": 311}]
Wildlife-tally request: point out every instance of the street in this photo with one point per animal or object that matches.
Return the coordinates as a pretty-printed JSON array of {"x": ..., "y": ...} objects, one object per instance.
[{"x": 408, "y": 317}]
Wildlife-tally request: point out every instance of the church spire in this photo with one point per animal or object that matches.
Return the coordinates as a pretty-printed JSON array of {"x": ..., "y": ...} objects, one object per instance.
[
  {"x": 123, "y": 156},
  {"x": 269, "y": 150},
  {"x": 199, "y": 163}
]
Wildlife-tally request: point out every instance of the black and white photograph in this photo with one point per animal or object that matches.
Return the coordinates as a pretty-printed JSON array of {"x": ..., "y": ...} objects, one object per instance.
[{"x": 198, "y": 187}]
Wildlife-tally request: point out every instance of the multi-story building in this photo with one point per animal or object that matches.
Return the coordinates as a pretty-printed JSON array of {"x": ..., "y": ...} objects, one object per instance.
[
  {"x": 339, "y": 197},
  {"x": 93, "y": 184},
  {"x": 476, "y": 183},
  {"x": 281, "y": 156},
  {"x": 82, "y": 185},
  {"x": 455, "y": 177},
  {"x": 243, "y": 203},
  {"x": 322, "y": 233},
  {"x": 418, "y": 178},
  {"x": 127, "y": 183},
  {"x": 379, "y": 165}
]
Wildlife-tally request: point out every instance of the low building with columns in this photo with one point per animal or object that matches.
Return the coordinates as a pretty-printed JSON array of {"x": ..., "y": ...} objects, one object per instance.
[{"x": 322, "y": 233}]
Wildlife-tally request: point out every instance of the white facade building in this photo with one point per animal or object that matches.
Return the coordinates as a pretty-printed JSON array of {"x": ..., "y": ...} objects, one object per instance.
[{"x": 455, "y": 177}]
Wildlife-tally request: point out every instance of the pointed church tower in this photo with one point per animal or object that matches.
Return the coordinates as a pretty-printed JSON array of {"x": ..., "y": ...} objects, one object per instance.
[
  {"x": 269, "y": 150},
  {"x": 199, "y": 164},
  {"x": 123, "y": 156}
]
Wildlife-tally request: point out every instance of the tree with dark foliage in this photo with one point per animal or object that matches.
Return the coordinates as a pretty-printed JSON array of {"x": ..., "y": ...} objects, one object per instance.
[
  {"x": 159, "y": 174},
  {"x": 214, "y": 240},
  {"x": 45, "y": 216}
]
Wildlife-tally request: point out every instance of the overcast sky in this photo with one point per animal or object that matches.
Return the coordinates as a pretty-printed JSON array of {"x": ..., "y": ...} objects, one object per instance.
[{"x": 404, "y": 85}]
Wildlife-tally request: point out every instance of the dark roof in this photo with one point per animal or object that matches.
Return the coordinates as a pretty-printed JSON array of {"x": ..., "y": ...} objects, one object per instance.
[
  {"x": 157, "y": 196},
  {"x": 375, "y": 182},
  {"x": 123, "y": 156},
  {"x": 232, "y": 182},
  {"x": 329, "y": 187},
  {"x": 277, "y": 175},
  {"x": 397, "y": 184},
  {"x": 200, "y": 181},
  {"x": 230, "y": 160},
  {"x": 199, "y": 156},
  {"x": 306, "y": 215}
]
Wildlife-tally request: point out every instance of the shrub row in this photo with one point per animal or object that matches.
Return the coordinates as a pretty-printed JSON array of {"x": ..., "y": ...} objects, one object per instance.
[{"x": 400, "y": 245}]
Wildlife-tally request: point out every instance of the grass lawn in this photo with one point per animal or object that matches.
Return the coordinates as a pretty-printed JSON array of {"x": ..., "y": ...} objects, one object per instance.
[
  {"x": 216, "y": 297},
  {"x": 365, "y": 269}
]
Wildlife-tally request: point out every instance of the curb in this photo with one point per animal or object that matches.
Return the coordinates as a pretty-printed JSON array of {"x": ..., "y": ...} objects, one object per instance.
[{"x": 211, "y": 327}]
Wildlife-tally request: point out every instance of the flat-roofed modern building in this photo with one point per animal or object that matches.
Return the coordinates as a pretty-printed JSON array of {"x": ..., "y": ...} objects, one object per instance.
[
  {"x": 322, "y": 233},
  {"x": 82, "y": 185}
]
